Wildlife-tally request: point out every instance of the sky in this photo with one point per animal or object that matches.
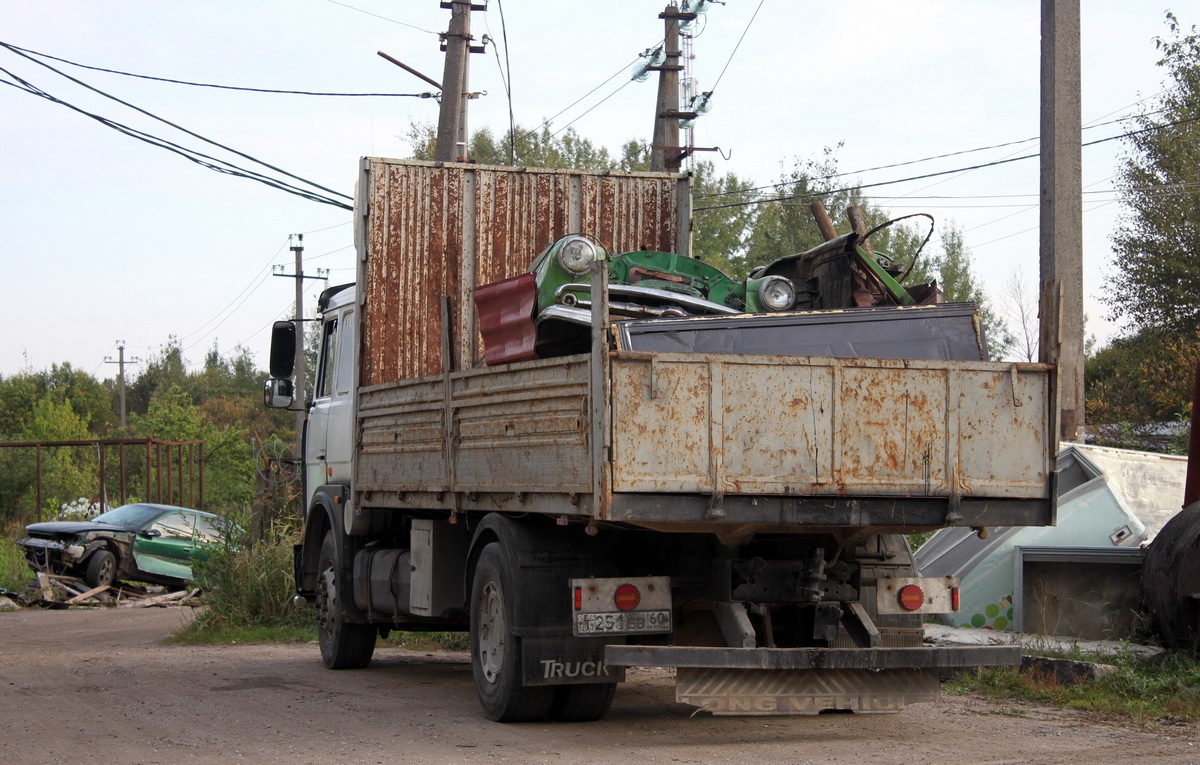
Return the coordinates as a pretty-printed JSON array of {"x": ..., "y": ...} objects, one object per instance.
[{"x": 105, "y": 239}]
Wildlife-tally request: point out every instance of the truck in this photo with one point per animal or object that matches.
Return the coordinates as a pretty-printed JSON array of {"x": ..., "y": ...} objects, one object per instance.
[{"x": 724, "y": 494}]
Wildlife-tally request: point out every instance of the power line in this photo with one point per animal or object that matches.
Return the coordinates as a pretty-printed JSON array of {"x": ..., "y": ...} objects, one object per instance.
[
  {"x": 211, "y": 85},
  {"x": 204, "y": 160},
  {"x": 735, "y": 47},
  {"x": 385, "y": 18},
  {"x": 817, "y": 194},
  {"x": 947, "y": 155},
  {"x": 169, "y": 123}
]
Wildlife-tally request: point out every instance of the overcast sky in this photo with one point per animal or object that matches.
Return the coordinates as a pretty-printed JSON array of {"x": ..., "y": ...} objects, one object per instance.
[{"x": 106, "y": 238}]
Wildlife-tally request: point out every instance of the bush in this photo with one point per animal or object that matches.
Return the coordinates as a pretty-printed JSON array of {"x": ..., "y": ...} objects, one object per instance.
[
  {"x": 14, "y": 570},
  {"x": 249, "y": 585}
]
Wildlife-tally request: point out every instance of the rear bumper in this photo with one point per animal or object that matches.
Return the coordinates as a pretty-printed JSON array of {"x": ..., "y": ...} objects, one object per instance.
[{"x": 812, "y": 658}]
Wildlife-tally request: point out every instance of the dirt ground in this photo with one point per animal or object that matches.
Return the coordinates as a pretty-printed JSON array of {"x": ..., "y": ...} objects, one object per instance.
[{"x": 101, "y": 686}]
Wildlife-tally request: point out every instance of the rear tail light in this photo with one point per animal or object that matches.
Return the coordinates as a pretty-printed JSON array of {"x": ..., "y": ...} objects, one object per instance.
[
  {"x": 627, "y": 597},
  {"x": 954, "y": 598},
  {"x": 911, "y": 597},
  {"x": 578, "y": 598}
]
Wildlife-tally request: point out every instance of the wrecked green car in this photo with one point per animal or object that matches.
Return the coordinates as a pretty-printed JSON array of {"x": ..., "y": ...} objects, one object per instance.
[{"x": 141, "y": 542}]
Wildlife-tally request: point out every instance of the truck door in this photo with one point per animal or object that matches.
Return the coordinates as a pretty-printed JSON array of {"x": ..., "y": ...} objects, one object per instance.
[{"x": 330, "y": 421}]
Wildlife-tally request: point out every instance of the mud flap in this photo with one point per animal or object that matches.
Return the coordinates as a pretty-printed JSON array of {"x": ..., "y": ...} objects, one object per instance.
[
  {"x": 803, "y": 691},
  {"x": 567, "y": 661}
]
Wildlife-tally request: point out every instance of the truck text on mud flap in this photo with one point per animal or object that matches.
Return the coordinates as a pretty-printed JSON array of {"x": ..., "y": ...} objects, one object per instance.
[{"x": 721, "y": 492}]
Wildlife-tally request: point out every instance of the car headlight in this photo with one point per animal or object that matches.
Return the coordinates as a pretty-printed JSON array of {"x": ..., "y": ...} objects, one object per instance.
[
  {"x": 577, "y": 255},
  {"x": 777, "y": 293}
]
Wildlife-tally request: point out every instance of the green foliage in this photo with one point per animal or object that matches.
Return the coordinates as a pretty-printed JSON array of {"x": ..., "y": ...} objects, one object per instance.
[
  {"x": 229, "y": 457},
  {"x": 1155, "y": 283},
  {"x": 1163, "y": 689},
  {"x": 248, "y": 584},
  {"x": 1138, "y": 382},
  {"x": 14, "y": 571},
  {"x": 958, "y": 281}
]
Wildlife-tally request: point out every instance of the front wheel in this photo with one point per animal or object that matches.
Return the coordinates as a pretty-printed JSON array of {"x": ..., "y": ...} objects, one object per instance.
[
  {"x": 343, "y": 645},
  {"x": 101, "y": 569},
  {"x": 496, "y": 651}
]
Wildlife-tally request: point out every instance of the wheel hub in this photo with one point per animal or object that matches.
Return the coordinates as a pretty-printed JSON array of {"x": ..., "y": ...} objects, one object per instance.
[{"x": 491, "y": 632}]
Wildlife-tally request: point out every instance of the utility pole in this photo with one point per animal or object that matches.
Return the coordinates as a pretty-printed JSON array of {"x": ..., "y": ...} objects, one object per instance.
[
  {"x": 1061, "y": 243},
  {"x": 121, "y": 361},
  {"x": 664, "y": 147},
  {"x": 452, "y": 135},
  {"x": 298, "y": 388},
  {"x": 298, "y": 250}
]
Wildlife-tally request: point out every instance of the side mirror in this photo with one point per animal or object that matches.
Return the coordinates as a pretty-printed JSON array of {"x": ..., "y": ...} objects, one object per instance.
[
  {"x": 283, "y": 349},
  {"x": 277, "y": 394},
  {"x": 150, "y": 533}
]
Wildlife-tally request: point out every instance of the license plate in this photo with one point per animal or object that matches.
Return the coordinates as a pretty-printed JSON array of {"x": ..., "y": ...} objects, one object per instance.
[{"x": 623, "y": 623}]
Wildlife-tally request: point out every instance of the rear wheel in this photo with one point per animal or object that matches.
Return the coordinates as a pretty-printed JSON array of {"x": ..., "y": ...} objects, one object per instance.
[
  {"x": 496, "y": 651},
  {"x": 583, "y": 703},
  {"x": 343, "y": 645},
  {"x": 101, "y": 569}
]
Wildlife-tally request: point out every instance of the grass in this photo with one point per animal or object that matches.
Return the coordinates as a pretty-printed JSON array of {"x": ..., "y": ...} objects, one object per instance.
[
  {"x": 14, "y": 571},
  {"x": 1164, "y": 689}
]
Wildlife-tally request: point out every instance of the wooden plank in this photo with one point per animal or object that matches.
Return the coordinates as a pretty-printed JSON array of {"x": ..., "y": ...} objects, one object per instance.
[
  {"x": 155, "y": 600},
  {"x": 90, "y": 593}
]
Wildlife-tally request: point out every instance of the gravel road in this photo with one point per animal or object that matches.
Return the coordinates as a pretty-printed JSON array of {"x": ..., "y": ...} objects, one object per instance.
[{"x": 100, "y": 686}]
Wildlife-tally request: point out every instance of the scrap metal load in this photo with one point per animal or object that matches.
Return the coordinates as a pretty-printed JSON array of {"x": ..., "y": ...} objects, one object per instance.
[{"x": 547, "y": 312}]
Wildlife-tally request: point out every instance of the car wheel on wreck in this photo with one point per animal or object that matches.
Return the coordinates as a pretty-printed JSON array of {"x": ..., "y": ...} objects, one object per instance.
[{"x": 101, "y": 569}]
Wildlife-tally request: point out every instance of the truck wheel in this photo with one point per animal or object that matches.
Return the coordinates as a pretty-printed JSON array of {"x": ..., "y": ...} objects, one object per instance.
[
  {"x": 343, "y": 645},
  {"x": 496, "y": 652},
  {"x": 101, "y": 569},
  {"x": 584, "y": 702}
]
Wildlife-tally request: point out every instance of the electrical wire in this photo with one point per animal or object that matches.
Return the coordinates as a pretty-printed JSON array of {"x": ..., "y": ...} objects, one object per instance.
[
  {"x": 739, "y": 44},
  {"x": 171, "y": 124},
  {"x": 255, "y": 282},
  {"x": 210, "y": 85},
  {"x": 506, "y": 78},
  {"x": 204, "y": 160},
  {"x": 947, "y": 155},
  {"x": 817, "y": 194},
  {"x": 385, "y": 18}
]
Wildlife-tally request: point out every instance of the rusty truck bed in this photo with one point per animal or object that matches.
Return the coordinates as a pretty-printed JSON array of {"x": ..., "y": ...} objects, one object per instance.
[{"x": 686, "y": 440}]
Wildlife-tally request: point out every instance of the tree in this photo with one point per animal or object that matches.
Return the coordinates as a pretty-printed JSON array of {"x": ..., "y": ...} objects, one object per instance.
[
  {"x": 958, "y": 281},
  {"x": 1155, "y": 284},
  {"x": 1021, "y": 310}
]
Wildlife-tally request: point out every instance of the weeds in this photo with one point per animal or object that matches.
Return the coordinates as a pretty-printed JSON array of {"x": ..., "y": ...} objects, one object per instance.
[
  {"x": 1164, "y": 688},
  {"x": 14, "y": 570}
]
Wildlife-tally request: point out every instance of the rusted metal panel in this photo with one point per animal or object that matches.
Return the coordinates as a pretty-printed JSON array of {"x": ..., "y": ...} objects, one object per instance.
[
  {"x": 435, "y": 230},
  {"x": 807, "y": 426},
  {"x": 517, "y": 429}
]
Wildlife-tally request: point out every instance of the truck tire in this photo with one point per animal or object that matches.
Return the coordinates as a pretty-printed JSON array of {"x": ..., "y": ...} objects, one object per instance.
[
  {"x": 582, "y": 703},
  {"x": 101, "y": 569},
  {"x": 343, "y": 645},
  {"x": 495, "y": 651}
]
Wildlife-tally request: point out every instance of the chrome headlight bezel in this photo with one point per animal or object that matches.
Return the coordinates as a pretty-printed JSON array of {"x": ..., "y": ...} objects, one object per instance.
[
  {"x": 576, "y": 255},
  {"x": 777, "y": 293}
]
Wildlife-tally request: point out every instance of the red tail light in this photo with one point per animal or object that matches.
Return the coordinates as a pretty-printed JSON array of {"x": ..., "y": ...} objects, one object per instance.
[
  {"x": 578, "y": 598},
  {"x": 911, "y": 597},
  {"x": 627, "y": 597},
  {"x": 954, "y": 598}
]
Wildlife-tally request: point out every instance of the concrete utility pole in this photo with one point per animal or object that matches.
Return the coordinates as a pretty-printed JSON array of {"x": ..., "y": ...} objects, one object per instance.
[
  {"x": 298, "y": 364},
  {"x": 121, "y": 361},
  {"x": 452, "y": 136},
  {"x": 1062, "y": 200},
  {"x": 664, "y": 147},
  {"x": 298, "y": 249}
]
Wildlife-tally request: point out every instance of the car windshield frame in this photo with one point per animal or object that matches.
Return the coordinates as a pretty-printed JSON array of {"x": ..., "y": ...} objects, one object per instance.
[{"x": 131, "y": 517}]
